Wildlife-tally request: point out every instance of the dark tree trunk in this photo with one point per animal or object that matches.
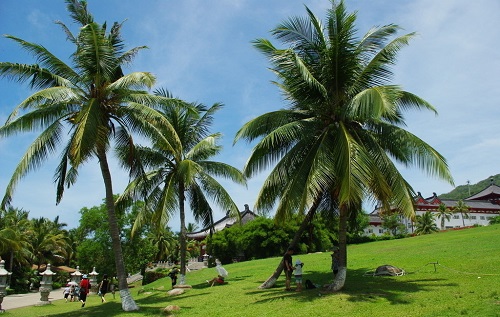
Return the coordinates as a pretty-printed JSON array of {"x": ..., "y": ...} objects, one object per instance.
[
  {"x": 128, "y": 303},
  {"x": 183, "y": 237}
]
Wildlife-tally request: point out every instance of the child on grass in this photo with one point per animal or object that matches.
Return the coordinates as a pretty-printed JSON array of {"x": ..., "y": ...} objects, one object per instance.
[{"x": 298, "y": 275}]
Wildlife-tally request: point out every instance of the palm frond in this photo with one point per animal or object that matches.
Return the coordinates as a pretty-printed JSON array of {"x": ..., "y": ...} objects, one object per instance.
[
  {"x": 44, "y": 145},
  {"x": 46, "y": 59},
  {"x": 38, "y": 77}
]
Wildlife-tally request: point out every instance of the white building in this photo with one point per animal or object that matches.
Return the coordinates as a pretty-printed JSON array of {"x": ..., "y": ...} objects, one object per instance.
[{"x": 482, "y": 207}]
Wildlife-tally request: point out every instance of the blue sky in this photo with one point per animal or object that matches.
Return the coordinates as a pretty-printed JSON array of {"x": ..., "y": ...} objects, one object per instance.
[{"x": 201, "y": 51}]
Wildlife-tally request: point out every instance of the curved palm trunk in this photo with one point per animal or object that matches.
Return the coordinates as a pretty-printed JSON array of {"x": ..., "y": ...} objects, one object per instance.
[
  {"x": 271, "y": 280},
  {"x": 340, "y": 278},
  {"x": 128, "y": 303},
  {"x": 183, "y": 236}
]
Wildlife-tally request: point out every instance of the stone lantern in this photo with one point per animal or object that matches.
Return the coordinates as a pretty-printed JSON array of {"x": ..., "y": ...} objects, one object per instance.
[
  {"x": 45, "y": 286},
  {"x": 76, "y": 276},
  {"x": 205, "y": 260},
  {"x": 3, "y": 283},
  {"x": 93, "y": 281}
]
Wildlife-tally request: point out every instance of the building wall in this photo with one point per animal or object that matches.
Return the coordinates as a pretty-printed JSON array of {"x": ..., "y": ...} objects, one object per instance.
[{"x": 475, "y": 218}]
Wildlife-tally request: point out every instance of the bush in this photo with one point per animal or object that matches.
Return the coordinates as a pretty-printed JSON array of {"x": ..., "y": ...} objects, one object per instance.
[
  {"x": 152, "y": 276},
  {"x": 495, "y": 220}
]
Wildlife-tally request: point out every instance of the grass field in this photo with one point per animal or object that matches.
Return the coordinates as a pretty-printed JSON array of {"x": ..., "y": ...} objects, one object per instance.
[{"x": 465, "y": 282}]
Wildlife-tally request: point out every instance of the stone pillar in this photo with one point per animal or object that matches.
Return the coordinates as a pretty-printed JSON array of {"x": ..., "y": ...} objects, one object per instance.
[
  {"x": 93, "y": 281},
  {"x": 45, "y": 286},
  {"x": 3, "y": 283}
]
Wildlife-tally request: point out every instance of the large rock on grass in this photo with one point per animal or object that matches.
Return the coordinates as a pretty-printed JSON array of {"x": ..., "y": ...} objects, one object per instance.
[{"x": 175, "y": 291}]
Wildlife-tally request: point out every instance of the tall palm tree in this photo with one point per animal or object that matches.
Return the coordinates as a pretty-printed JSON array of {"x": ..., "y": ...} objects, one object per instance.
[
  {"x": 180, "y": 169},
  {"x": 343, "y": 128},
  {"x": 425, "y": 224},
  {"x": 443, "y": 213},
  {"x": 462, "y": 209},
  {"x": 87, "y": 105}
]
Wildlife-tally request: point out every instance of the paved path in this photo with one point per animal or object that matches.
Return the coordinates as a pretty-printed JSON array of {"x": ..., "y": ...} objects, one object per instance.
[{"x": 29, "y": 299}]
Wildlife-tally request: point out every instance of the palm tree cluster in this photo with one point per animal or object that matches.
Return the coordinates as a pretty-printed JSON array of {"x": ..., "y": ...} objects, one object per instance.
[
  {"x": 26, "y": 244},
  {"x": 95, "y": 104},
  {"x": 334, "y": 145}
]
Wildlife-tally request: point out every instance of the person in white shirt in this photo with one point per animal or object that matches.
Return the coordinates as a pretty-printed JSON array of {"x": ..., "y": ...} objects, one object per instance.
[{"x": 298, "y": 275}]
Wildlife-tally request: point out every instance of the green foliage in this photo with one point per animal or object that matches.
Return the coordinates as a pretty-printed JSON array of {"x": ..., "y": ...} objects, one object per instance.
[
  {"x": 95, "y": 247},
  {"x": 426, "y": 224},
  {"x": 394, "y": 225},
  {"x": 465, "y": 191},
  {"x": 151, "y": 276},
  {"x": 358, "y": 224},
  {"x": 263, "y": 238},
  {"x": 495, "y": 220}
]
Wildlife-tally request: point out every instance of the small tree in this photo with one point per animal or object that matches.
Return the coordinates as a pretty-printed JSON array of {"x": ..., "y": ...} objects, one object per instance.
[
  {"x": 393, "y": 224},
  {"x": 462, "y": 209},
  {"x": 426, "y": 224},
  {"x": 444, "y": 213}
]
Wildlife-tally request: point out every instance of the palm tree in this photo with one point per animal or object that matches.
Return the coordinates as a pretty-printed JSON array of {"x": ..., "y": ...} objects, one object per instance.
[
  {"x": 462, "y": 209},
  {"x": 47, "y": 245},
  {"x": 93, "y": 99},
  {"x": 192, "y": 227},
  {"x": 180, "y": 169},
  {"x": 443, "y": 213},
  {"x": 164, "y": 241},
  {"x": 343, "y": 128},
  {"x": 426, "y": 224},
  {"x": 14, "y": 224}
]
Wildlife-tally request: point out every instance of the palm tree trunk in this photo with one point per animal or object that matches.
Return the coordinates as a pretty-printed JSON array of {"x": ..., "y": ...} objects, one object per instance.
[
  {"x": 128, "y": 303},
  {"x": 271, "y": 280},
  {"x": 183, "y": 236},
  {"x": 340, "y": 278}
]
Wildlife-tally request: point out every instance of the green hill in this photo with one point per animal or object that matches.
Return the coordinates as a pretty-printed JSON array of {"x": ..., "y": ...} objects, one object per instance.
[
  {"x": 464, "y": 191},
  {"x": 452, "y": 273}
]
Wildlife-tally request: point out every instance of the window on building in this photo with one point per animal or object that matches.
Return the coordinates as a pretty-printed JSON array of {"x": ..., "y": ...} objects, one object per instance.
[
  {"x": 482, "y": 218},
  {"x": 370, "y": 230},
  {"x": 456, "y": 217},
  {"x": 473, "y": 217},
  {"x": 380, "y": 230}
]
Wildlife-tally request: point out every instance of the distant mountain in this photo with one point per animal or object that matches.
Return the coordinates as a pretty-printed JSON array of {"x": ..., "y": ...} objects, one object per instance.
[{"x": 464, "y": 191}]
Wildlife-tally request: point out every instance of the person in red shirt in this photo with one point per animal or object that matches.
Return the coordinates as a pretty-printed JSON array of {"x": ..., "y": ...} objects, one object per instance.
[{"x": 84, "y": 289}]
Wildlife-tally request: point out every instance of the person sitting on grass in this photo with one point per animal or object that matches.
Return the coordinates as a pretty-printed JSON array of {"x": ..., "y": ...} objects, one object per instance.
[{"x": 219, "y": 280}]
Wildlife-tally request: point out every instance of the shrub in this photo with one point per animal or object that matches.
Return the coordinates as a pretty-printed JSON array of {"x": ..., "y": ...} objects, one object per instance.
[{"x": 152, "y": 276}]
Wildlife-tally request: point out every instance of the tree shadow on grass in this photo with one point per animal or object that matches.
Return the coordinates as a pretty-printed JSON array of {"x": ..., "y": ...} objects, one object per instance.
[
  {"x": 358, "y": 288},
  {"x": 108, "y": 309}
]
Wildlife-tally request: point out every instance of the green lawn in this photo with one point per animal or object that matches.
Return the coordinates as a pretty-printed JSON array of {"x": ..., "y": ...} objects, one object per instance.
[{"x": 466, "y": 282}]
